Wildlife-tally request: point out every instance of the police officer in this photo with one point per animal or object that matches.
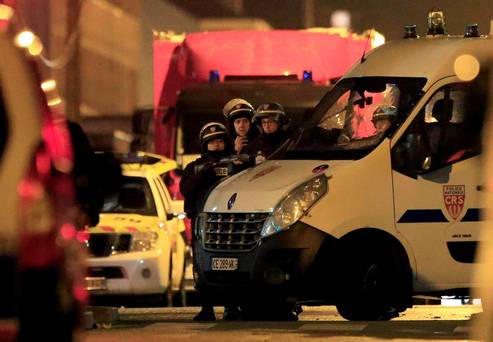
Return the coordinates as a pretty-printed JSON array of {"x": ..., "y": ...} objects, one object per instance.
[
  {"x": 273, "y": 123},
  {"x": 199, "y": 177},
  {"x": 239, "y": 114},
  {"x": 383, "y": 118}
]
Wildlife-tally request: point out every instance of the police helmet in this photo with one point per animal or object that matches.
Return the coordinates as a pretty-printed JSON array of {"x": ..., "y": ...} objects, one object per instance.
[
  {"x": 270, "y": 110},
  {"x": 237, "y": 108},
  {"x": 211, "y": 131},
  {"x": 387, "y": 112}
]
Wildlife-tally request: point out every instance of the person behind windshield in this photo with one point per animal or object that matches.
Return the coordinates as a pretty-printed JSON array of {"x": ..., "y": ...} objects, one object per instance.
[
  {"x": 272, "y": 122},
  {"x": 383, "y": 118},
  {"x": 199, "y": 177},
  {"x": 239, "y": 114}
]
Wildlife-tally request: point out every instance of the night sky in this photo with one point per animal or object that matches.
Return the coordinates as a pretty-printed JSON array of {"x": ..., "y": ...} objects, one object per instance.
[{"x": 387, "y": 16}]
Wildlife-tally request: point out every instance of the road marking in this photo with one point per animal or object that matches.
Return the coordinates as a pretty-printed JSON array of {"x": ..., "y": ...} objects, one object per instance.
[{"x": 334, "y": 327}]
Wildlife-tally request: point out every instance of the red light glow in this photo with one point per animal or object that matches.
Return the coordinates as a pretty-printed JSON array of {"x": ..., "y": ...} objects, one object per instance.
[
  {"x": 83, "y": 236},
  {"x": 68, "y": 231},
  {"x": 30, "y": 189},
  {"x": 43, "y": 164},
  {"x": 80, "y": 294}
]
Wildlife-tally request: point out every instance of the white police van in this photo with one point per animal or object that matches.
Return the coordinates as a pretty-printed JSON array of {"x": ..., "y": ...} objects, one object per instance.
[{"x": 352, "y": 216}]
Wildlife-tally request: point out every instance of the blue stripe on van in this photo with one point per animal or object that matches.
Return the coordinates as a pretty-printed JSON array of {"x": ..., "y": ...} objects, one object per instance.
[
  {"x": 472, "y": 215},
  {"x": 422, "y": 215}
]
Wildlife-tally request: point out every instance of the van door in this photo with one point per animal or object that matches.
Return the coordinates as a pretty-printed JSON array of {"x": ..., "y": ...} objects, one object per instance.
[{"x": 436, "y": 190}]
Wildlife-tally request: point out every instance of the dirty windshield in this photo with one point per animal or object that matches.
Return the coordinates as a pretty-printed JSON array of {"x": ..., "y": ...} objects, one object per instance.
[{"x": 355, "y": 116}]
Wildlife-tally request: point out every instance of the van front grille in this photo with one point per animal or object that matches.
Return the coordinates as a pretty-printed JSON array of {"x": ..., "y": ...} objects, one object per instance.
[{"x": 232, "y": 231}]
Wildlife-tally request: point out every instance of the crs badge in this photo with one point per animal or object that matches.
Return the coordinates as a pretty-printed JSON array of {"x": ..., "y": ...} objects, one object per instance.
[{"x": 454, "y": 197}]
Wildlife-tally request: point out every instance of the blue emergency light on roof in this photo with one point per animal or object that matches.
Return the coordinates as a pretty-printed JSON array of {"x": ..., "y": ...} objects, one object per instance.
[
  {"x": 436, "y": 22},
  {"x": 307, "y": 75},
  {"x": 410, "y": 32},
  {"x": 471, "y": 31},
  {"x": 214, "y": 76}
]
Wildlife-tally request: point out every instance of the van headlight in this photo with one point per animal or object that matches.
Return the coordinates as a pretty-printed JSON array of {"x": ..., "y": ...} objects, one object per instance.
[
  {"x": 143, "y": 241},
  {"x": 295, "y": 205}
]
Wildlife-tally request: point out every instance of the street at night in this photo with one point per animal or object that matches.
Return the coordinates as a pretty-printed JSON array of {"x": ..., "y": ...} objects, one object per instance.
[
  {"x": 246, "y": 170},
  {"x": 423, "y": 322}
]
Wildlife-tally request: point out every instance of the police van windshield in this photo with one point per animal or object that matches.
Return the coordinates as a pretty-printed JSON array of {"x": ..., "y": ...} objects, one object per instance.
[
  {"x": 133, "y": 197},
  {"x": 355, "y": 116}
]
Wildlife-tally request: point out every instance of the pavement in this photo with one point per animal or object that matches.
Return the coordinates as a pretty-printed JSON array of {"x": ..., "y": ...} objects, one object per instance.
[{"x": 421, "y": 323}]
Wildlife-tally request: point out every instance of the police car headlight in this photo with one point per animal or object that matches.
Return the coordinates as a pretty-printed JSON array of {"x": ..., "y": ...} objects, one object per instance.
[
  {"x": 144, "y": 241},
  {"x": 295, "y": 205}
]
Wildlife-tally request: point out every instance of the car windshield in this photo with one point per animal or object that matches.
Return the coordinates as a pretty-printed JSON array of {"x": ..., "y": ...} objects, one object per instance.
[
  {"x": 133, "y": 197},
  {"x": 353, "y": 118}
]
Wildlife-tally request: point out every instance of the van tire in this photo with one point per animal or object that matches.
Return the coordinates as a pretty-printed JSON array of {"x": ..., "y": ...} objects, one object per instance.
[{"x": 375, "y": 285}]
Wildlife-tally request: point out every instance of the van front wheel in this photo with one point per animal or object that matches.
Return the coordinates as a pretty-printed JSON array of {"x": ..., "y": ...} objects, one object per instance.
[{"x": 373, "y": 286}]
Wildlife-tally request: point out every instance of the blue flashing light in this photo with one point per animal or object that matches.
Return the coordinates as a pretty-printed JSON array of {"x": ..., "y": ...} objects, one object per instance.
[
  {"x": 214, "y": 76},
  {"x": 307, "y": 75}
]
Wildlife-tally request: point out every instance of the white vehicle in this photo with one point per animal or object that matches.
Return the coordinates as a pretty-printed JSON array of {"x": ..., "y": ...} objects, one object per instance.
[
  {"x": 138, "y": 247},
  {"x": 350, "y": 216}
]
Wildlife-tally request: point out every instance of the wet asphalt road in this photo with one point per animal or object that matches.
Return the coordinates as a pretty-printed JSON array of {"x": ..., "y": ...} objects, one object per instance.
[{"x": 421, "y": 323}]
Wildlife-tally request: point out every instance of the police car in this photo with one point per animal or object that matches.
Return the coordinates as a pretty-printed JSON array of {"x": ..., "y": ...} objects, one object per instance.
[
  {"x": 352, "y": 216},
  {"x": 138, "y": 247}
]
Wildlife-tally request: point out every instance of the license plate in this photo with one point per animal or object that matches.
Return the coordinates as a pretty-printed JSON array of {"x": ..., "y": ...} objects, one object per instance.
[
  {"x": 96, "y": 283},
  {"x": 224, "y": 264}
]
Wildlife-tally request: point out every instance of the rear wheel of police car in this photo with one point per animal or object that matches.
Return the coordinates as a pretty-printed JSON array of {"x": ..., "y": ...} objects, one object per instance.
[{"x": 375, "y": 284}]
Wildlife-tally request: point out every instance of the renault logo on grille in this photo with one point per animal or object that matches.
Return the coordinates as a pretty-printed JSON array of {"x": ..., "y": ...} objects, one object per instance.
[{"x": 231, "y": 201}]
